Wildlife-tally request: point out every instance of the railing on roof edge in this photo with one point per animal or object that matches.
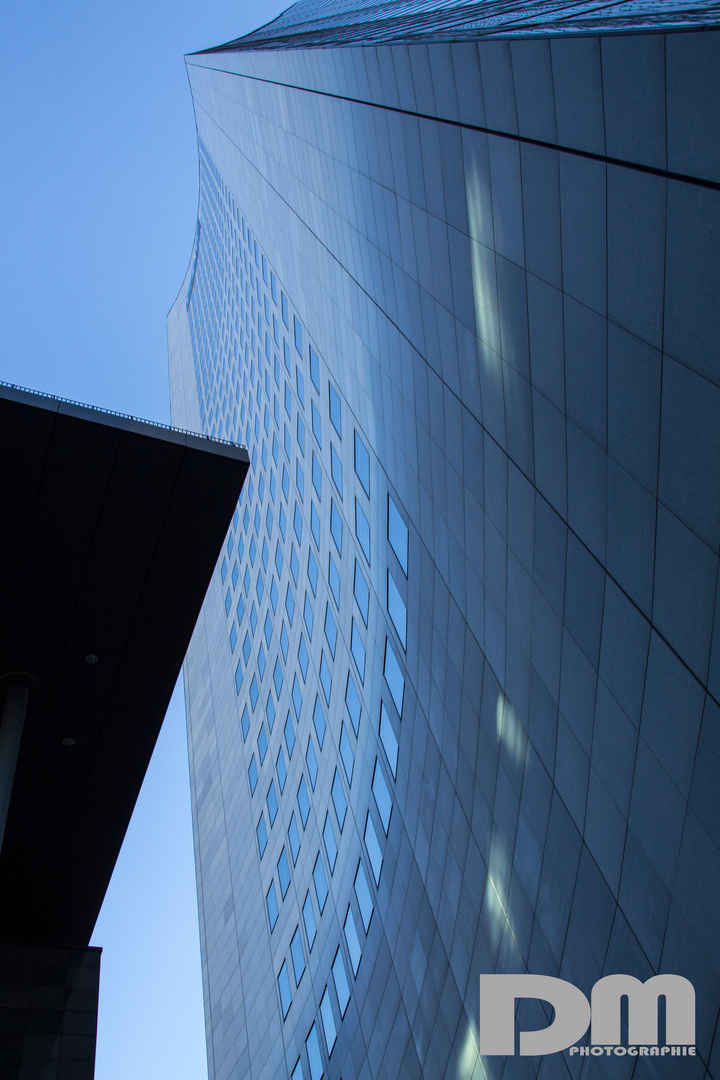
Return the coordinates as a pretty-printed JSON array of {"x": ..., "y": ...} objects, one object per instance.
[{"x": 122, "y": 415}]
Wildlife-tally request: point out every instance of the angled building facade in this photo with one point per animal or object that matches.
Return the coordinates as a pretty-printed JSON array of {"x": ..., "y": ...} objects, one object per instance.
[{"x": 453, "y": 696}]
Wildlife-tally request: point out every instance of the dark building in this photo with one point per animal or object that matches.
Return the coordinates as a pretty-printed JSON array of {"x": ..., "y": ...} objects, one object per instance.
[
  {"x": 453, "y": 694},
  {"x": 110, "y": 530}
]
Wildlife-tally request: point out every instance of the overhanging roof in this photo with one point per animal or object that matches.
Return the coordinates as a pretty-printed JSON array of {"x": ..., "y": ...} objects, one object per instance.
[{"x": 110, "y": 532}]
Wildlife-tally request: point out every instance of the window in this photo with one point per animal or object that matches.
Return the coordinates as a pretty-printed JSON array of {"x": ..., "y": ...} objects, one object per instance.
[
  {"x": 315, "y": 525},
  {"x": 352, "y": 940},
  {"x": 272, "y": 803},
  {"x": 289, "y": 735},
  {"x": 296, "y": 697},
  {"x": 273, "y": 596},
  {"x": 316, "y": 423},
  {"x": 341, "y": 982},
  {"x": 336, "y": 526},
  {"x": 346, "y": 753},
  {"x": 373, "y": 848},
  {"x": 336, "y": 470},
  {"x": 270, "y": 711},
  {"x": 303, "y": 657},
  {"x": 294, "y": 838},
  {"x": 362, "y": 463},
  {"x": 261, "y": 835},
  {"x": 262, "y": 743},
  {"x": 321, "y": 889},
  {"x": 253, "y": 775},
  {"x": 297, "y": 524},
  {"x": 297, "y": 1073},
  {"x": 362, "y": 530},
  {"x": 294, "y": 564},
  {"x": 309, "y": 920},
  {"x": 267, "y": 629},
  {"x": 315, "y": 369},
  {"x": 330, "y": 630},
  {"x": 382, "y": 795},
  {"x": 328, "y": 1021},
  {"x": 272, "y": 905},
  {"x": 298, "y": 956},
  {"x": 281, "y": 770},
  {"x": 331, "y": 848},
  {"x": 283, "y": 872},
  {"x": 335, "y": 410},
  {"x": 301, "y": 433},
  {"x": 300, "y": 383},
  {"x": 261, "y": 662},
  {"x": 303, "y": 801},
  {"x": 334, "y": 580},
  {"x": 311, "y": 761},
  {"x": 394, "y": 677},
  {"x": 388, "y": 739},
  {"x": 297, "y": 335},
  {"x": 300, "y": 481},
  {"x": 364, "y": 896},
  {"x": 284, "y": 989},
  {"x": 312, "y": 1045},
  {"x": 319, "y": 721},
  {"x": 361, "y": 590},
  {"x": 290, "y": 605},
  {"x": 312, "y": 572},
  {"x": 238, "y": 677},
  {"x": 325, "y": 677},
  {"x": 358, "y": 650},
  {"x": 245, "y": 723},
  {"x": 352, "y": 701},
  {"x": 397, "y": 610},
  {"x": 339, "y": 800},
  {"x": 316, "y": 475},
  {"x": 284, "y": 309},
  {"x": 278, "y": 675},
  {"x": 278, "y": 558},
  {"x": 308, "y": 616},
  {"x": 398, "y": 534},
  {"x": 284, "y": 642}
]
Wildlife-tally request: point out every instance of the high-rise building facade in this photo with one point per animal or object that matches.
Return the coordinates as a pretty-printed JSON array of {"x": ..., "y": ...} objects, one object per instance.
[{"x": 453, "y": 696}]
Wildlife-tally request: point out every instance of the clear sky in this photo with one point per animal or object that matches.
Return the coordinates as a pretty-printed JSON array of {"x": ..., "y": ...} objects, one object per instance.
[{"x": 98, "y": 198}]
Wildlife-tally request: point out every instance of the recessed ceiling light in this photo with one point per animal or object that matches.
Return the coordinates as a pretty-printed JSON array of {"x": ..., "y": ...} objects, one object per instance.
[{"x": 91, "y": 658}]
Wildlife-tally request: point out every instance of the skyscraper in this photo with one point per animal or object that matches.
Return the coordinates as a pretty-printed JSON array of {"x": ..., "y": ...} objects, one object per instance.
[{"x": 453, "y": 697}]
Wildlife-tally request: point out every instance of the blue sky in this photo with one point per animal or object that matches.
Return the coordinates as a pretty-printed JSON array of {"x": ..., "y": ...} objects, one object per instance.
[{"x": 98, "y": 198}]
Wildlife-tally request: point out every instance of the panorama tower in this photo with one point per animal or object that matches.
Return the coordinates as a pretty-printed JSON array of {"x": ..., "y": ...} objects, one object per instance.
[{"x": 453, "y": 696}]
